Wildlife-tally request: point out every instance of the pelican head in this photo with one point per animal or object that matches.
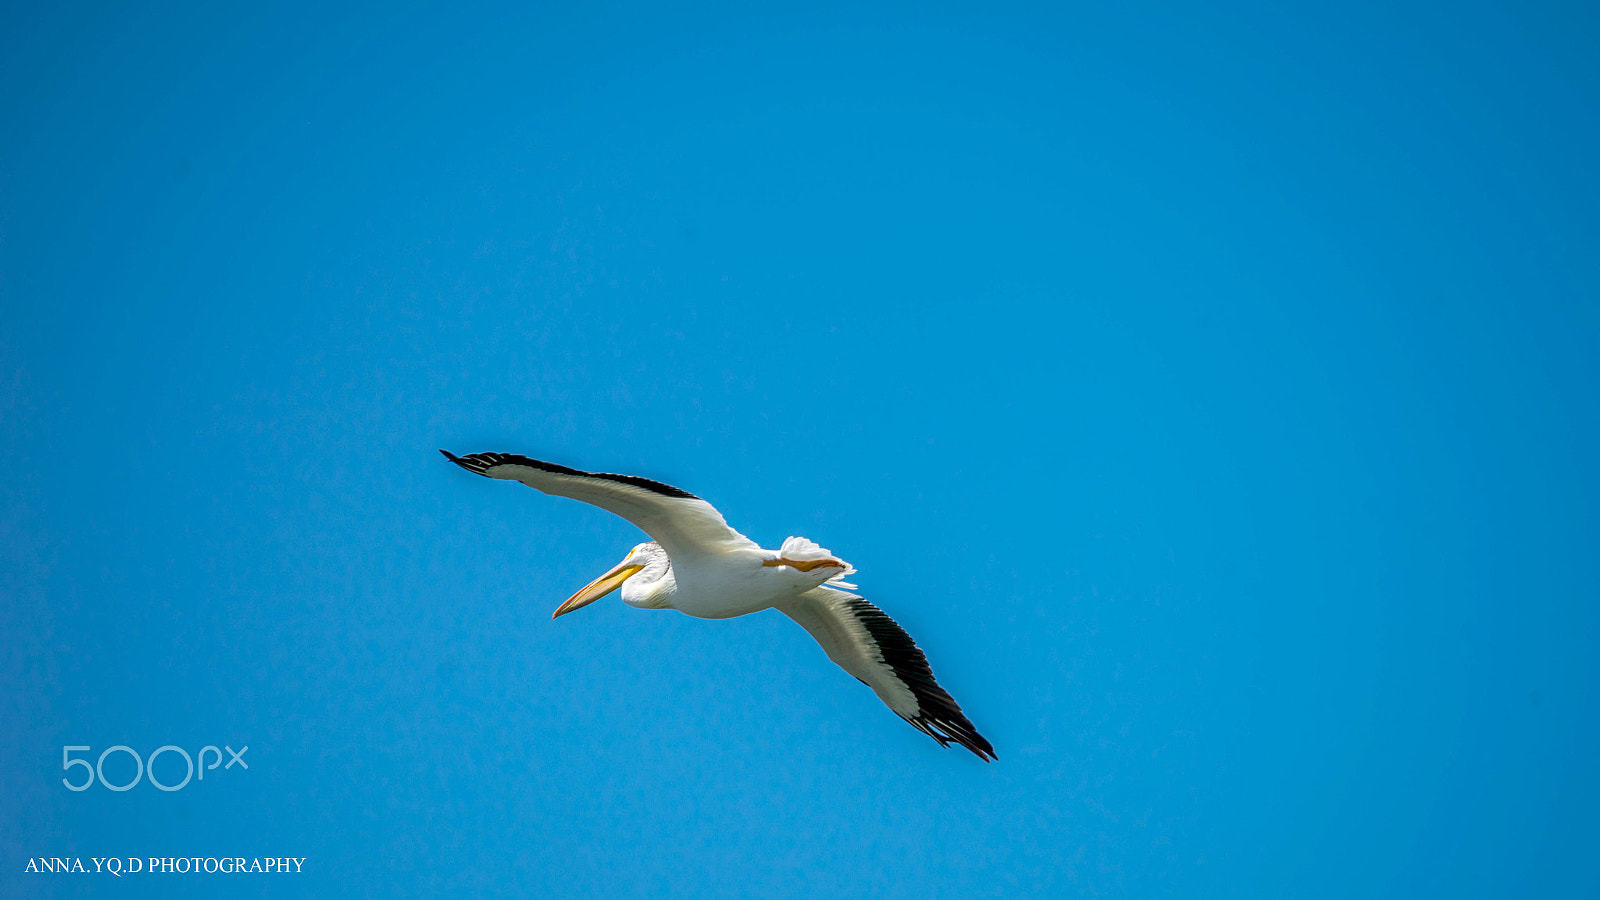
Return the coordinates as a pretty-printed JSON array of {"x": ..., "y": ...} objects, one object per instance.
[{"x": 647, "y": 560}]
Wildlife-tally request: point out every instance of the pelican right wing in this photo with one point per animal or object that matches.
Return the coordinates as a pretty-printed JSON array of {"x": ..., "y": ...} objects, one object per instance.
[
  {"x": 683, "y": 524},
  {"x": 865, "y": 642}
]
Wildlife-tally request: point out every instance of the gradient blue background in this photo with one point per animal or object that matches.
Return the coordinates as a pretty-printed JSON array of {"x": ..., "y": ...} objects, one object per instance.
[{"x": 1212, "y": 392}]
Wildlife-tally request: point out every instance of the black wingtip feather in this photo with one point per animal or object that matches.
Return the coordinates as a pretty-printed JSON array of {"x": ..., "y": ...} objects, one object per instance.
[
  {"x": 471, "y": 462},
  {"x": 940, "y": 716},
  {"x": 482, "y": 462}
]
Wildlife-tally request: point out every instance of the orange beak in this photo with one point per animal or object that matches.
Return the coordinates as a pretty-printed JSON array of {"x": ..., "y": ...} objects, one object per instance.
[{"x": 599, "y": 587}]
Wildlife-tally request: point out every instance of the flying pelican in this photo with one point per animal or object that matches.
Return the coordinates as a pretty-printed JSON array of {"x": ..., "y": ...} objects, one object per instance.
[{"x": 699, "y": 566}]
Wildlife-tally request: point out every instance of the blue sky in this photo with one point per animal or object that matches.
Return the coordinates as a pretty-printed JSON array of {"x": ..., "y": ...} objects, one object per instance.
[{"x": 1211, "y": 391}]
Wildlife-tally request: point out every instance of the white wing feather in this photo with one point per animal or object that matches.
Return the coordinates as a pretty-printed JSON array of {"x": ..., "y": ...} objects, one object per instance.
[
  {"x": 802, "y": 549},
  {"x": 683, "y": 524},
  {"x": 865, "y": 642}
]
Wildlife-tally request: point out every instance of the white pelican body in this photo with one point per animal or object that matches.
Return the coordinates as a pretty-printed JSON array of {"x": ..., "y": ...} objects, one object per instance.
[
  {"x": 735, "y": 582},
  {"x": 699, "y": 566}
]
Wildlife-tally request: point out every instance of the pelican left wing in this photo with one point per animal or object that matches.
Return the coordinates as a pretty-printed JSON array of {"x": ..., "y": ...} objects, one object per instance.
[{"x": 680, "y": 522}]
